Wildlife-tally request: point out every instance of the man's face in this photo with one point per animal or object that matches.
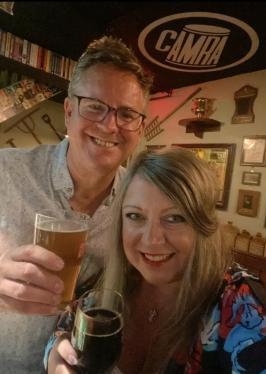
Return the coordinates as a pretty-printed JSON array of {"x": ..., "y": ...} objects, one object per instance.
[{"x": 103, "y": 145}]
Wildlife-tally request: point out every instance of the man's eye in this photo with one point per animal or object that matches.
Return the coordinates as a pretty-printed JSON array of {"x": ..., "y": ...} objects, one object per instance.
[
  {"x": 134, "y": 216},
  {"x": 174, "y": 218},
  {"x": 95, "y": 107},
  {"x": 127, "y": 114}
]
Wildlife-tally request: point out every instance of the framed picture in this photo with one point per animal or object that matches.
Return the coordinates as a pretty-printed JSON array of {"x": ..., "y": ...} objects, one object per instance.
[
  {"x": 248, "y": 203},
  {"x": 251, "y": 178},
  {"x": 254, "y": 150},
  {"x": 220, "y": 157},
  {"x": 244, "y": 99}
]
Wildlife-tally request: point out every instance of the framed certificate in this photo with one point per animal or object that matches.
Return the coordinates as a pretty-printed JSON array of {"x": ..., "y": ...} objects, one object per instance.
[{"x": 253, "y": 150}]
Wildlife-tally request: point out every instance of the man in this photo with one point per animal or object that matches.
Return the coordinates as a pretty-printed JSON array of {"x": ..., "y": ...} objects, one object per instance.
[{"x": 104, "y": 116}]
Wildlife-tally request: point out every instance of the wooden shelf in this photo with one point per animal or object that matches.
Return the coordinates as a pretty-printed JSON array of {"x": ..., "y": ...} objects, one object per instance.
[
  {"x": 200, "y": 125},
  {"x": 51, "y": 80}
]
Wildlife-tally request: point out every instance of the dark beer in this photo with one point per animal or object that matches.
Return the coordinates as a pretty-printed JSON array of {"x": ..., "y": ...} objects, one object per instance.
[
  {"x": 99, "y": 345},
  {"x": 67, "y": 240}
]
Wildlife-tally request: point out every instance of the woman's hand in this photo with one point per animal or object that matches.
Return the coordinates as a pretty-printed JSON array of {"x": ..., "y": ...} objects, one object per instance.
[{"x": 62, "y": 356}]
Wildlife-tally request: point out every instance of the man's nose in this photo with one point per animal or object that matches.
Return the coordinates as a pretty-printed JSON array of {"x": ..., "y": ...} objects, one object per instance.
[{"x": 110, "y": 123}]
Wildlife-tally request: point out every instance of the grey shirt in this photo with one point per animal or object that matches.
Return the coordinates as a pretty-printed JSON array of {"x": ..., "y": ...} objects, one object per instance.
[{"x": 31, "y": 180}]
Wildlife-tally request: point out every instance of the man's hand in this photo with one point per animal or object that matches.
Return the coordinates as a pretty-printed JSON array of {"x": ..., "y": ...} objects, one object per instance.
[
  {"x": 61, "y": 357},
  {"x": 27, "y": 284}
]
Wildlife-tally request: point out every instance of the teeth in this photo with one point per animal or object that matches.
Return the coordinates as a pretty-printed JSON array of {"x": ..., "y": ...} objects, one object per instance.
[
  {"x": 156, "y": 258},
  {"x": 103, "y": 143}
]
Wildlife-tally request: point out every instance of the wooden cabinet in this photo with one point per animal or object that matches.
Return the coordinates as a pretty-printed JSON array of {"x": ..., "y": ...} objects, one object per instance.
[{"x": 256, "y": 264}]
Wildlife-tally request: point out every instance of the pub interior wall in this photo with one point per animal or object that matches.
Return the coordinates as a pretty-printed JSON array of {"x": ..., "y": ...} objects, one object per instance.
[
  {"x": 15, "y": 129},
  {"x": 223, "y": 92}
]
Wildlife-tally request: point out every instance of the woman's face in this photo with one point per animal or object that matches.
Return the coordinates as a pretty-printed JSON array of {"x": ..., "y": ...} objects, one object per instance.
[{"x": 156, "y": 238}]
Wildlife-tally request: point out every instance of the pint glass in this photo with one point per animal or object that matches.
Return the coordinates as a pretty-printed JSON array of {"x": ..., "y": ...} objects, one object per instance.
[{"x": 65, "y": 234}]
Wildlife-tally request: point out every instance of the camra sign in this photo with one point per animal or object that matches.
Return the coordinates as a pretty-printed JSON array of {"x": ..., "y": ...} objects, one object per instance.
[{"x": 198, "y": 42}]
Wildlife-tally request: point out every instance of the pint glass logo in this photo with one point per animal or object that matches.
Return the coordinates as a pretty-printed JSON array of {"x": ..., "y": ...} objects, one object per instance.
[{"x": 198, "y": 42}]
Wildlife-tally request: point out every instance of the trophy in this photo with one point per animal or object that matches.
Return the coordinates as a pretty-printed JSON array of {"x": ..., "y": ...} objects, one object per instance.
[{"x": 202, "y": 107}]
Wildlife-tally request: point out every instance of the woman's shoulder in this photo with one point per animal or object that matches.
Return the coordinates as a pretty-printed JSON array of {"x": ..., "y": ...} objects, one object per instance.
[{"x": 236, "y": 328}]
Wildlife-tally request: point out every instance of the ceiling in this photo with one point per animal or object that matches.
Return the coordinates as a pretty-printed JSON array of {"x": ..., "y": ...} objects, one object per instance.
[{"x": 230, "y": 35}]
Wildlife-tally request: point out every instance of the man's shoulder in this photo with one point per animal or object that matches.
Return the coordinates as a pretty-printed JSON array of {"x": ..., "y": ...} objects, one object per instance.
[
  {"x": 13, "y": 156},
  {"x": 23, "y": 152}
]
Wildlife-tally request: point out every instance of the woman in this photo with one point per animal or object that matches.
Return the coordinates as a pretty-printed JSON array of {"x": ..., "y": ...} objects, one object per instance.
[{"x": 186, "y": 311}]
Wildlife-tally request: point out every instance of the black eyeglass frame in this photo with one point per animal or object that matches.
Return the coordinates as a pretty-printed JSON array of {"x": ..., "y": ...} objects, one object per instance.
[{"x": 110, "y": 109}]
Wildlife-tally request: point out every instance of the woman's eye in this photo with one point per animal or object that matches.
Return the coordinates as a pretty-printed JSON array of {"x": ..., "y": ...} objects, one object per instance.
[
  {"x": 174, "y": 218},
  {"x": 134, "y": 216}
]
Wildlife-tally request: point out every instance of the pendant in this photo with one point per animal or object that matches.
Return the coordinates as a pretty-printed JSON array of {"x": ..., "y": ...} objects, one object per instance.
[{"x": 153, "y": 314}]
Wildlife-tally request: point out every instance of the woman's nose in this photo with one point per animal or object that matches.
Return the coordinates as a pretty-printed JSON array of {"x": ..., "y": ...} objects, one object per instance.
[{"x": 154, "y": 233}]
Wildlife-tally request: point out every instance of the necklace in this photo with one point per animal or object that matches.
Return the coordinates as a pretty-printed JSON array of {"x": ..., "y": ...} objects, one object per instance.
[{"x": 153, "y": 314}]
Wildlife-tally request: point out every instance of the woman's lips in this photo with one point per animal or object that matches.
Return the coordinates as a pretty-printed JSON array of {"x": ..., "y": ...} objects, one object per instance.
[{"x": 156, "y": 259}]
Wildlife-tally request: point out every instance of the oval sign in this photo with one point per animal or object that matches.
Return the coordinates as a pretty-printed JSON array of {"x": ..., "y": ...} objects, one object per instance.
[{"x": 198, "y": 42}]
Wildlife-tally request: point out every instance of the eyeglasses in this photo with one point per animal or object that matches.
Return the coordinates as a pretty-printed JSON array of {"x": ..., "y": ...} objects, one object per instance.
[{"x": 96, "y": 110}]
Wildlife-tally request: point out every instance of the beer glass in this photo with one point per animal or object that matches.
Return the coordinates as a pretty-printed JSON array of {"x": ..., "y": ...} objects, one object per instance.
[
  {"x": 97, "y": 332},
  {"x": 65, "y": 234}
]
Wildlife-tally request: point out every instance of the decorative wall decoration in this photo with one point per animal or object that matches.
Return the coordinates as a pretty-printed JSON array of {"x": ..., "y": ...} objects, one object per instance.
[
  {"x": 7, "y": 6},
  {"x": 251, "y": 178},
  {"x": 153, "y": 129},
  {"x": 202, "y": 107},
  {"x": 248, "y": 203},
  {"x": 22, "y": 95},
  {"x": 25, "y": 124},
  {"x": 244, "y": 99},
  {"x": 254, "y": 150},
  {"x": 220, "y": 157},
  {"x": 47, "y": 119}
]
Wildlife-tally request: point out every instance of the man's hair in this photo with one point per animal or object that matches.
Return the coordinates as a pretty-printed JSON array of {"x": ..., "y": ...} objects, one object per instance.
[{"x": 111, "y": 51}]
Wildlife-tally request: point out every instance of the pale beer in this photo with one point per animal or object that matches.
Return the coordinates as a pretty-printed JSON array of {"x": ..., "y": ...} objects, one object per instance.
[{"x": 66, "y": 239}]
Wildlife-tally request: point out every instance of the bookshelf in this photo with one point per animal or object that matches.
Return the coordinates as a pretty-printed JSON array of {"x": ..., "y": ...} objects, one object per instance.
[
  {"x": 34, "y": 73},
  {"x": 33, "y": 61}
]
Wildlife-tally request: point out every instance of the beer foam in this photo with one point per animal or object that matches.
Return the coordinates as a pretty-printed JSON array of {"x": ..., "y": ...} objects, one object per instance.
[{"x": 62, "y": 226}]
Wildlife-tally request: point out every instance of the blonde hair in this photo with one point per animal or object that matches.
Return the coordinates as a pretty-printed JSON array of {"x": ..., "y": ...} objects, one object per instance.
[
  {"x": 189, "y": 182},
  {"x": 111, "y": 51}
]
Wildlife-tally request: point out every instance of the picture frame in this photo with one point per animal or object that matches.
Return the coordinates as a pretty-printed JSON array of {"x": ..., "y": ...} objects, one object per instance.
[
  {"x": 220, "y": 157},
  {"x": 251, "y": 178},
  {"x": 254, "y": 150},
  {"x": 248, "y": 203},
  {"x": 244, "y": 100}
]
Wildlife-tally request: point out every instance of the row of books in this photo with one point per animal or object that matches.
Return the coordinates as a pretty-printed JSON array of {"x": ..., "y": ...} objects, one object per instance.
[{"x": 21, "y": 50}]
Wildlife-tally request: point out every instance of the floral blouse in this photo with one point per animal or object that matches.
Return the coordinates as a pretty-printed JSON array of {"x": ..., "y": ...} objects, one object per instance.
[{"x": 233, "y": 340}]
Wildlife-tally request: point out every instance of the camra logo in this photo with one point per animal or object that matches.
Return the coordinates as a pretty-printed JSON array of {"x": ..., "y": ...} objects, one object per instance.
[{"x": 198, "y": 42}]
